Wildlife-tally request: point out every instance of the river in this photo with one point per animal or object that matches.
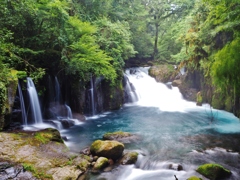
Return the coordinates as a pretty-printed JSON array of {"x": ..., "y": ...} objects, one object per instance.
[{"x": 171, "y": 130}]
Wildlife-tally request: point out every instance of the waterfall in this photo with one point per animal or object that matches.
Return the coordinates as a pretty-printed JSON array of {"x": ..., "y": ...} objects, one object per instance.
[
  {"x": 153, "y": 94},
  {"x": 69, "y": 112},
  {"x": 129, "y": 91},
  {"x": 23, "y": 110},
  {"x": 34, "y": 102},
  {"x": 57, "y": 90},
  {"x": 92, "y": 96}
]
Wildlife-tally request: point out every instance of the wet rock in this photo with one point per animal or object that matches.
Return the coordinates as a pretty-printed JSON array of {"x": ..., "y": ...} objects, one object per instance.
[
  {"x": 100, "y": 164},
  {"x": 163, "y": 73},
  {"x": 85, "y": 151},
  {"x": 109, "y": 149},
  {"x": 124, "y": 137},
  {"x": 177, "y": 167},
  {"x": 213, "y": 171},
  {"x": 129, "y": 158},
  {"x": 11, "y": 171}
]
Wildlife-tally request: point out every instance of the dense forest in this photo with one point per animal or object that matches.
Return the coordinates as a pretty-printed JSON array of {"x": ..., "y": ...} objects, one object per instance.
[{"x": 84, "y": 38}]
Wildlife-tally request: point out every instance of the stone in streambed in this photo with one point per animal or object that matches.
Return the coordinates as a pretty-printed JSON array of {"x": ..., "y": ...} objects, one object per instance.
[
  {"x": 124, "y": 137},
  {"x": 101, "y": 163},
  {"x": 109, "y": 149},
  {"x": 129, "y": 158},
  {"x": 213, "y": 171}
]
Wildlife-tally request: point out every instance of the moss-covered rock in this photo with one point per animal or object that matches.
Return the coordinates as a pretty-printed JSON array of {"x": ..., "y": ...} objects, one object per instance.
[
  {"x": 194, "y": 178},
  {"x": 162, "y": 73},
  {"x": 129, "y": 158},
  {"x": 48, "y": 134},
  {"x": 213, "y": 171},
  {"x": 110, "y": 149},
  {"x": 101, "y": 163}
]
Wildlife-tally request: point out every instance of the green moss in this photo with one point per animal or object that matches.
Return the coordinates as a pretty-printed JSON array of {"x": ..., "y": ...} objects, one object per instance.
[
  {"x": 47, "y": 135},
  {"x": 194, "y": 178},
  {"x": 40, "y": 175},
  {"x": 213, "y": 171}
]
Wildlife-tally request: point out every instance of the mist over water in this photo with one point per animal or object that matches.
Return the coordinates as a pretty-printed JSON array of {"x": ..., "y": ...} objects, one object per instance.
[{"x": 172, "y": 131}]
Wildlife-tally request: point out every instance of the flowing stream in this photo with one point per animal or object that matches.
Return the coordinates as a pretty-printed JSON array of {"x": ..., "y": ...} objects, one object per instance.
[{"x": 172, "y": 132}]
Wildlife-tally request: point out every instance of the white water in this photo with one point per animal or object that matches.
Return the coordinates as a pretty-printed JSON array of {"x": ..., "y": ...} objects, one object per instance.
[
  {"x": 34, "y": 102},
  {"x": 153, "y": 94},
  {"x": 24, "y": 116}
]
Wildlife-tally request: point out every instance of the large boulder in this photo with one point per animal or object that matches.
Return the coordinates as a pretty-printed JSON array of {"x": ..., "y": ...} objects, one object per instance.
[
  {"x": 109, "y": 149},
  {"x": 213, "y": 171},
  {"x": 163, "y": 73}
]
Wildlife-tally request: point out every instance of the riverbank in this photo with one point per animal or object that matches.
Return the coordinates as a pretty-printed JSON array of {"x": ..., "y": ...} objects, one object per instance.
[{"x": 42, "y": 153}]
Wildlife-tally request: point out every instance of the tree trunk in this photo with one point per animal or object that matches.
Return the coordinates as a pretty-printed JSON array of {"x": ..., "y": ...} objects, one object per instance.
[{"x": 155, "y": 52}]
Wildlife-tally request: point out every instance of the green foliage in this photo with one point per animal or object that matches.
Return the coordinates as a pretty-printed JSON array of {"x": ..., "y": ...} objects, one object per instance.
[
  {"x": 115, "y": 40},
  {"x": 226, "y": 65}
]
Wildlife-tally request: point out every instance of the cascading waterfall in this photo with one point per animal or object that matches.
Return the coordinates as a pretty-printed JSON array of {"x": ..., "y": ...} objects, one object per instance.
[
  {"x": 154, "y": 94},
  {"x": 57, "y": 90},
  {"x": 23, "y": 109},
  {"x": 92, "y": 96},
  {"x": 129, "y": 91},
  {"x": 34, "y": 102},
  {"x": 69, "y": 112}
]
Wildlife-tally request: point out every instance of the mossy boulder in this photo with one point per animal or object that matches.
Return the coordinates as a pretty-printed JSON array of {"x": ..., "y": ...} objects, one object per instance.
[
  {"x": 162, "y": 73},
  {"x": 213, "y": 171},
  {"x": 48, "y": 134},
  {"x": 194, "y": 178},
  {"x": 101, "y": 163},
  {"x": 124, "y": 137},
  {"x": 109, "y": 149},
  {"x": 129, "y": 158}
]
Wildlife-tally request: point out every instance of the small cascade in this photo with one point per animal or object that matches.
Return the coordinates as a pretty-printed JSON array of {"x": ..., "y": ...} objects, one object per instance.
[
  {"x": 153, "y": 94},
  {"x": 34, "y": 102},
  {"x": 69, "y": 112},
  {"x": 23, "y": 109},
  {"x": 92, "y": 96},
  {"x": 130, "y": 94},
  {"x": 57, "y": 90}
]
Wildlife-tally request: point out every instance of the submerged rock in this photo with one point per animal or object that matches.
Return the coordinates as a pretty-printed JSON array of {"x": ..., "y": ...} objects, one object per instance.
[
  {"x": 124, "y": 137},
  {"x": 213, "y": 171},
  {"x": 109, "y": 149},
  {"x": 129, "y": 158},
  {"x": 177, "y": 167}
]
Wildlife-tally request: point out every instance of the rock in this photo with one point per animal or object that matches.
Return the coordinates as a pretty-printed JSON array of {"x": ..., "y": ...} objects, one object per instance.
[
  {"x": 66, "y": 172},
  {"x": 124, "y": 137},
  {"x": 163, "y": 73},
  {"x": 85, "y": 151},
  {"x": 129, "y": 158},
  {"x": 48, "y": 134},
  {"x": 213, "y": 171},
  {"x": 109, "y": 149},
  {"x": 101, "y": 163},
  {"x": 108, "y": 169},
  {"x": 194, "y": 178},
  {"x": 14, "y": 171},
  {"x": 177, "y": 167},
  {"x": 82, "y": 163}
]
